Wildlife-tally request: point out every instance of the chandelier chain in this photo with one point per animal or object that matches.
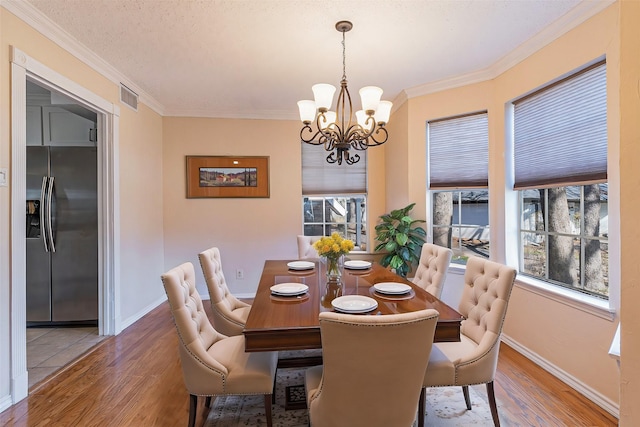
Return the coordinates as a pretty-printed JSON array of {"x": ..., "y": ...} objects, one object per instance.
[{"x": 344, "y": 57}]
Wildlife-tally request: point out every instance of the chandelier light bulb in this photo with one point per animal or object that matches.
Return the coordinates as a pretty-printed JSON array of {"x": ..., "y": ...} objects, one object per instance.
[
  {"x": 370, "y": 96},
  {"x": 330, "y": 119},
  {"x": 307, "y": 111},
  {"x": 323, "y": 95},
  {"x": 383, "y": 112}
]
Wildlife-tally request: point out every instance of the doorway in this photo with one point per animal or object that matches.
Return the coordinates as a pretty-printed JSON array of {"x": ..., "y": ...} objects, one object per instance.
[
  {"x": 23, "y": 69},
  {"x": 62, "y": 232}
]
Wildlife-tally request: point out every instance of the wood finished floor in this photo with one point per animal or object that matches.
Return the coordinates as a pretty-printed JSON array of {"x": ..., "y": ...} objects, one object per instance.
[{"x": 135, "y": 379}]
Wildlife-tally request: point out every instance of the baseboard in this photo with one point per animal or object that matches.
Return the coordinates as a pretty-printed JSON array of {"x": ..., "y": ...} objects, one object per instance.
[
  {"x": 133, "y": 319},
  {"x": 604, "y": 402},
  {"x": 5, "y": 402}
]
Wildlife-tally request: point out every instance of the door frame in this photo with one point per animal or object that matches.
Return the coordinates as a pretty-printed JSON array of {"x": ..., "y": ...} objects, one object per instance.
[{"x": 24, "y": 67}]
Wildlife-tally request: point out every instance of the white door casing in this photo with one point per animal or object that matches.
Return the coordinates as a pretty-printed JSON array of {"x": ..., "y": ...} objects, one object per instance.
[{"x": 24, "y": 67}]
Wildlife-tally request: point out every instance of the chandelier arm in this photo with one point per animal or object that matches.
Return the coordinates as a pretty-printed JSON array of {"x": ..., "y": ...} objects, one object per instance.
[
  {"x": 382, "y": 139},
  {"x": 311, "y": 140}
]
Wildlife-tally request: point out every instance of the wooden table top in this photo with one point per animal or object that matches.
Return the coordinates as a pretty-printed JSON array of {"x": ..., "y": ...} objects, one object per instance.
[{"x": 291, "y": 323}]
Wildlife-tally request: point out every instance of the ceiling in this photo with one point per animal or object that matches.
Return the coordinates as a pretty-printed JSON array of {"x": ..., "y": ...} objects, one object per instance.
[{"x": 257, "y": 58}]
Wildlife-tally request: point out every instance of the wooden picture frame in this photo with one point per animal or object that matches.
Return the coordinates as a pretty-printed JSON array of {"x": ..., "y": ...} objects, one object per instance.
[{"x": 227, "y": 176}]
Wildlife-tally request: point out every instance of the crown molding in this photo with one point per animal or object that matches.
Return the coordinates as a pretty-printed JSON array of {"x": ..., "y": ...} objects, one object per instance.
[
  {"x": 227, "y": 114},
  {"x": 49, "y": 29},
  {"x": 576, "y": 16}
]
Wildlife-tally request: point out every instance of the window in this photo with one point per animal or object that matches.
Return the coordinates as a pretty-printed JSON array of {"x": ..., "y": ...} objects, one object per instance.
[
  {"x": 458, "y": 158},
  {"x": 560, "y": 171},
  {"x": 343, "y": 214},
  {"x": 334, "y": 196}
]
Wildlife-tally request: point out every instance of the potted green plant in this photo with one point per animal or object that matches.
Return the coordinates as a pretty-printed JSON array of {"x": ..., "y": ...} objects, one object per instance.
[{"x": 401, "y": 238}]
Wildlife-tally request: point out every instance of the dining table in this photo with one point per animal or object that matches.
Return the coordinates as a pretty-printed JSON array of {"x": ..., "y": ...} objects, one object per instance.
[{"x": 279, "y": 322}]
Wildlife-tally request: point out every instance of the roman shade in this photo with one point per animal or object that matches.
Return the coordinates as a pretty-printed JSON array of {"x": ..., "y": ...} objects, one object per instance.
[
  {"x": 459, "y": 152},
  {"x": 320, "y": 177},
  {"x": 560, "y": 132}
]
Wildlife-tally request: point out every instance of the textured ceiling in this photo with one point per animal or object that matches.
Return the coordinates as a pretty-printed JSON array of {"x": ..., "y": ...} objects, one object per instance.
[{"x": 257, "y": 58}]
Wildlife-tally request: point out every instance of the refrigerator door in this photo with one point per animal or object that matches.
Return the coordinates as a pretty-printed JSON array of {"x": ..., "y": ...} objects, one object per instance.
[
  {"x": 74, "y": 264},
  {"x": 38, "y": 266}
]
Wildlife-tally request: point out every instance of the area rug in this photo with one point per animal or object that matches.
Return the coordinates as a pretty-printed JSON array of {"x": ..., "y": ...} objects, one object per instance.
[{"x": 445, "y": 407}]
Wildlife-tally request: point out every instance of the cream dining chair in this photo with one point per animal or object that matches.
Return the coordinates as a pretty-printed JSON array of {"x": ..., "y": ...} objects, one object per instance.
[
  {"x": 432, "y": 268},
  {"x": 373, "y": 369},
  {"x": 473, "y": 360},
  {"x": 213, "y": 364},
  {"x": 305, "y": 247},
  {"x": 229, "y": 313}
]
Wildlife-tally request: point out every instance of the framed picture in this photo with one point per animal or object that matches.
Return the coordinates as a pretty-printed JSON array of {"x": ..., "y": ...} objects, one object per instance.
[{"x": 227, "y": 176}]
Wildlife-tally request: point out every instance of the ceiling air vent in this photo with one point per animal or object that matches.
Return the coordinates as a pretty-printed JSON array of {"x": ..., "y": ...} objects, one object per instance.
[{"x": 128, "y": 97}]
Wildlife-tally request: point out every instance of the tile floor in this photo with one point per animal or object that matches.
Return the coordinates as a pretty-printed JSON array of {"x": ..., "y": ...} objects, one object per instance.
[{"x": 49, "y": 349}]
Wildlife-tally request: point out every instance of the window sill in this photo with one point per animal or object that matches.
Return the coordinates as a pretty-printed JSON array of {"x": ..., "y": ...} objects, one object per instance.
[
  {"x": 586, "y": 303},
  {"x": 577, "y": 300}
]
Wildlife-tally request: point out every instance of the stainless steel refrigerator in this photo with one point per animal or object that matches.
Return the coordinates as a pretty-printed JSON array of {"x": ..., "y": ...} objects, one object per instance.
[{"x": 62, "y": 234}]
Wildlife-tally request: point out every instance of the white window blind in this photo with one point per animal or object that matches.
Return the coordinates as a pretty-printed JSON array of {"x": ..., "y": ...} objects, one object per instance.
[
  {"x": 320, "y": 177},
  {"x": 560, "y": 132},
  {"x": 459, "y": 152}
]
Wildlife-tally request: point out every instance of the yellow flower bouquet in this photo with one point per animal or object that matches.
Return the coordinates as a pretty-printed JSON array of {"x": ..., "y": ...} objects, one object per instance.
[{"x": 332, "y": 248}]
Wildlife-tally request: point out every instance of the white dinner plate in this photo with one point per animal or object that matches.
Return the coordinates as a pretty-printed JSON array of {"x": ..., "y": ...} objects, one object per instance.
[
  {"x": 289, "y": 289},
  {"x": 357, "y": 264},
  {"x": 301, "y": 265},
  {"x": 392, "y": 288},
  {"x": 354, "y": 304}
]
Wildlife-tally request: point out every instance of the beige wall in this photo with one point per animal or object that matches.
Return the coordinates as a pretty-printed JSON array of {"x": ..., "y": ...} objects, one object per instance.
[
  {"x": 141, "y": 212},
  {"x": 140, "y": 175},
  {"x": 629, "y": 190},
  {"x": 572, "y": 340},
  {"x": 247, "y": 230}
]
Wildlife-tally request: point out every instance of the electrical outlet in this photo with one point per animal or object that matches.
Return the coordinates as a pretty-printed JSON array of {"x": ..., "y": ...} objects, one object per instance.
[{"x": 239, "y": 274}]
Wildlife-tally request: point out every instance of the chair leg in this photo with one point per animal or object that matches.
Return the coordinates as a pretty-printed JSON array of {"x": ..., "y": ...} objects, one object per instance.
[
  {"x": 193, "y": 406},
  {"x": 467, "y": 399},
  {"x": 274, "y": 382},
  {"x": 492, "y": 404},
  {"x": 421, "y": 405},
  {"x": 268, "y": 401}
]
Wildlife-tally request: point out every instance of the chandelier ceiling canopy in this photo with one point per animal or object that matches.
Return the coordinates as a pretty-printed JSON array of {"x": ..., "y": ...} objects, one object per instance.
[{"x": 336, "y": 129}]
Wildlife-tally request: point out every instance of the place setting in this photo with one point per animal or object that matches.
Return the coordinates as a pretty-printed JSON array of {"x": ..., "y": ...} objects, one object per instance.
[
  {"x": 357, "y": 266},
  {"x": 392, "y": 290},
  {"x": 289, "y": 292},
  {"x": 354, "y": 304},
  {"x": 301, "y": 268}
]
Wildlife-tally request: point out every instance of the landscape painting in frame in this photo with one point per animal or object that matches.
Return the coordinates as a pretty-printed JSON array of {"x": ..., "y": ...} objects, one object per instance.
[{"x": 227, "y": 176}]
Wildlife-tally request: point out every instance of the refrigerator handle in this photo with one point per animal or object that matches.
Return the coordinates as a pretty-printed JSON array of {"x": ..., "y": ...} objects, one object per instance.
[
  {"x": 49, "y": 221},
  {"x": 43, "y": 225}
]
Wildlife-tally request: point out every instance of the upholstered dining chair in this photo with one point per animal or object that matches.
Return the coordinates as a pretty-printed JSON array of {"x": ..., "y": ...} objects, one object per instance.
[
  {"x": 213, "y": 364},
  {"x": 432, "y": 268},
  {"x": 473, "y": 360},
  {"x": 229, "y": 313},
  {"x": 372, "y": 369},
  {"x": 305, "y": 247}
]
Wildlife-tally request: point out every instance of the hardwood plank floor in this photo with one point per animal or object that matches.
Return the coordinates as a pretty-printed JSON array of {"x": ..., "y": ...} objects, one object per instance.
[{"x": 135, "y": 379}]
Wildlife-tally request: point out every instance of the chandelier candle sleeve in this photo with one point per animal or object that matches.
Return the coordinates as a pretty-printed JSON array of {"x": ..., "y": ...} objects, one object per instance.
[{"x": 339, "y": 131}]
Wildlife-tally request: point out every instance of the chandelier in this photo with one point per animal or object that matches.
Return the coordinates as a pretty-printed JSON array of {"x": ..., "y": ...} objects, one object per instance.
[{"x": 336, "y": 130}]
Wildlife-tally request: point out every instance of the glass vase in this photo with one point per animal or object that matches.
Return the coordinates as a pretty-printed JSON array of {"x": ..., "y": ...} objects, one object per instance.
[{"x": 334, "y": 272}]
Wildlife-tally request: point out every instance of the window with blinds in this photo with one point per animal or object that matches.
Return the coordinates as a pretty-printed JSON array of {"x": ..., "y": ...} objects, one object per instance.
[
  {"x": 320, "y": 177},
  {"x": 560, "y": 171},
  {"x": 560, "y": 132},
  {"x": 334, "y": 196},
  {"x": 458, "y": 160}
]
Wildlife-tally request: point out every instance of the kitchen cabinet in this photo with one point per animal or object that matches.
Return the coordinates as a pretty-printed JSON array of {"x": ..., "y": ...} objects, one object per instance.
[{"x": 49, "y": 125}]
